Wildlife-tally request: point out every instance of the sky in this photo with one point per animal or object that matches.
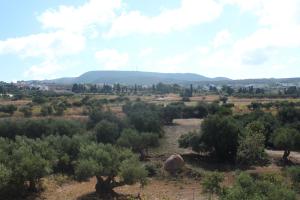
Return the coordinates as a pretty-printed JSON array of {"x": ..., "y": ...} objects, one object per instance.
[{"x": 216, "y": 38}]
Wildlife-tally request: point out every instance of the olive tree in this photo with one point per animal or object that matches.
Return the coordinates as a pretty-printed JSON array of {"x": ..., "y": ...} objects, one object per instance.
[
  {"x": 220, "y": 136},
  {"x": 251, "y": 148},
  {"x": 286, "y": 139},
  {"x": 107, "y": 162},
  {"x": 107, "y": 132},
  {"x": 138, "y": 142}
]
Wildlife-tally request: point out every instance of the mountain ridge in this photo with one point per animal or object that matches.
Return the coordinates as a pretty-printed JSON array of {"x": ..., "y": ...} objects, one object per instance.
[{"x": 134, "y": 77}]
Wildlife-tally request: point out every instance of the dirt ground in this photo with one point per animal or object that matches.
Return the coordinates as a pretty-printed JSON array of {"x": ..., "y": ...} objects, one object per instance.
[
  {"x": 184, "y": 189},
  {"x": 169, "y": 143}
]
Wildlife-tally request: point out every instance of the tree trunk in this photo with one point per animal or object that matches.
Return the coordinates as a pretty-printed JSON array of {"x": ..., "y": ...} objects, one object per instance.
[
  {"x": 32, "y": 186},
  {"x": 105, "y": 187},
  {"x": 143, "y": 155},
  {"x": 286, "y": 155}
]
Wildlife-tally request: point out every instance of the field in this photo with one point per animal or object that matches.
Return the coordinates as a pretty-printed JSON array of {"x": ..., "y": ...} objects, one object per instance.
[
  {"x": 184, "y": 186},
  {"x": 166, "y": 187},
  {"x": 161, "y": 189}
]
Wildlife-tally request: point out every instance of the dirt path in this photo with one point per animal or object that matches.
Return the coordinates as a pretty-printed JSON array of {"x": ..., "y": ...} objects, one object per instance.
[
  {"x": 169, "y": 144},
  {"x": 294, "y": 156}
]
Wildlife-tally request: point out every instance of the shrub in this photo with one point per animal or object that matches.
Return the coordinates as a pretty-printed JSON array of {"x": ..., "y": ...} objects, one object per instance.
[
  {"x": 10, "y": 109},
  {"x": 211, "y": 183},
  {"x": 264, "y": 187},
  {"x": 26, "y": 110},
  {"x": 251, "y": 148},
  {"x": 294, "y": 174}
]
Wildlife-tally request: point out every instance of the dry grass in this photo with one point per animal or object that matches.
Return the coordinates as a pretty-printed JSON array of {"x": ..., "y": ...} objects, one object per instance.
[
  {"x": 169, "y": 143},
  {"x": 156, "y": 189}
]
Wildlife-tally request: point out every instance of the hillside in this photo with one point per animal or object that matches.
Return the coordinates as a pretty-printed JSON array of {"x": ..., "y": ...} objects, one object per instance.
[{"x": 134, "y": 77}]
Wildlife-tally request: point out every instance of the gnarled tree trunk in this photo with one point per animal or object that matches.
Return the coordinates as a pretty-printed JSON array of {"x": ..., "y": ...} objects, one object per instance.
[
  {"x": 105, "y": 186},
  {"x": 286, "y": 155}
]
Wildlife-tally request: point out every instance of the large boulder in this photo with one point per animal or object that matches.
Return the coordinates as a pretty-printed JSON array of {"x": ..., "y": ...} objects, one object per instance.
[{"x": 174, "y": 163}]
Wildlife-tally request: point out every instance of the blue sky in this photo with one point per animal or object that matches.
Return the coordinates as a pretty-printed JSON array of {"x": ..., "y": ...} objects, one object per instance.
[{"x": 233, "y": 38}]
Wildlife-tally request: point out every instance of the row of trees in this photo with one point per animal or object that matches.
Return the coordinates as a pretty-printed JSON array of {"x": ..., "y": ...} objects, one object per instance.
[
  {"x": 201, "y": 110},
  {"x": 31, "y": 149}
]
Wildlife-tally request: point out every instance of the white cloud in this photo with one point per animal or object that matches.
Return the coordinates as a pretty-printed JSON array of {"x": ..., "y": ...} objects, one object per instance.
[
  {"x": 222, "y": 38},
  {"x": 45, "y": 70},
  {"x": 44, "y": 44},
  {"x": 81, "y": 18},
  {"x": 111, "y": 59},
  {"x": 49, "y": 47},
  {"x": 190, "y": 13},
  {"x": 279, "y": 20},
  {"x": 257, "y": 53}
]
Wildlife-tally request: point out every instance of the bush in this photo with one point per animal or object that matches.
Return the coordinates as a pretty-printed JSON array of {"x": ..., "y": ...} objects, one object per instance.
[
  {"x": 39, "y": 99},
  {"x": 10, "y": 109},
  {"x": 46, "y": 110},
  {"x": 211, "y": 183},
  {"x": 138, "y": 142},
  {"x": 264, "y": 187},
  {"x": 26, "y": 110},
  {"x": 294, "y": 174},
  {"x": 251, "y": 148},
  {"x": 144, "y": 117},
  {"x": 153, "y": 169}
]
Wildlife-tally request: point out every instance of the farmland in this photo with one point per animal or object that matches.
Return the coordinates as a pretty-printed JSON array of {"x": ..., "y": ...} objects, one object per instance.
[{"x": 161, "y": 185}]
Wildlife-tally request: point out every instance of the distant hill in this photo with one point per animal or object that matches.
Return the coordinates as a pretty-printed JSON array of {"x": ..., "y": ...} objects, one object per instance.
[{"x": 135, "y": 77}]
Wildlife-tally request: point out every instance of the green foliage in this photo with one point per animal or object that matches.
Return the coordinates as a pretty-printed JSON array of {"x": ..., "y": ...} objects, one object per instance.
[
  {"x": 191, "y": 139},
  {"x": 286, "y": 139},
  {"x": 106, "y": 162},
  {"x": 251, "y": 148},
  {"x": 26, "y": 110},
  {"x": 46, "y": 110},
  {"x": 96, "y": 115},
  {"x": 294, "y": 174},
  {"x": 66, "y": 150},
  {"x": 39, "y": 99},
  {"x": 131, "y": 171},
  {"x": 153, "y": 168},
  {"x": 220, "y": 136},
  {"x": 10, "y": 109},
  {"x": 172, "y": 111},
  {"x": 211, "y": 183},
  {"x": 138, "y": 142},
  {"x": 268, "y": 121},
  {"x": 289, "y": 114},
  {"x": 268, "y": 187},
  {"x": 107, "y": 132},
  {"x": 144, "y": 117},
  {"x": 5, "y": 176},
  {"x": 25, "y": 160},
  {"x": 36, "y": 128}
]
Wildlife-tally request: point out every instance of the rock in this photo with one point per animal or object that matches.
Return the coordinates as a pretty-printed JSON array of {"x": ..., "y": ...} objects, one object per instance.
[{"x": 174, "y": 163}]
